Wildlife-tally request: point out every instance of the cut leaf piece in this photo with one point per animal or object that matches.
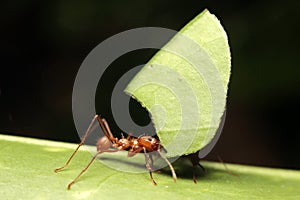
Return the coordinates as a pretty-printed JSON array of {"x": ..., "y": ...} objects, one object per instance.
[{"x": 184, "y": 86}]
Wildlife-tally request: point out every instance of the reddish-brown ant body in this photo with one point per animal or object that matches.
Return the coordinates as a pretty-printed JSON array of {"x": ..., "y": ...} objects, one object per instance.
[{"x": 109, "y": 143}]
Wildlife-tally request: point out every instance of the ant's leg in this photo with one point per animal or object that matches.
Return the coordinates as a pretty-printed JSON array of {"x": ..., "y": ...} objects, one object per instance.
[
  {"x": 148, "y": 165},
  {"x": 105, "y": 128},
  {"x": 87, "y": 166},
  {"x": 132, "y": 152},
  {"x": 88, "y": 131},
  {"x": 194, "y": 158},
  {"x": 151, "y": 161},
  {"x": 84, "y": 169},
  {"x": 194, "y": 171},
  {"x": 129, "y": 136},
  {"x": 226, "y": 168},
  {"x": 170, "y": 165},
  {"x": 203, "y": 169}
]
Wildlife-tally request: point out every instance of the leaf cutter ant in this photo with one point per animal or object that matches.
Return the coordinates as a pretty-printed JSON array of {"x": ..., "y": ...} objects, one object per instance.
[{"x": 109, "y": 143}]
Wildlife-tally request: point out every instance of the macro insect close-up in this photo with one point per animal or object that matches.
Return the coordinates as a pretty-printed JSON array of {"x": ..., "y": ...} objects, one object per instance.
[
  {"x": 187, "y": 79},
  {"x": 109, "y": 143},
  {"x": 149, "y": 99}
]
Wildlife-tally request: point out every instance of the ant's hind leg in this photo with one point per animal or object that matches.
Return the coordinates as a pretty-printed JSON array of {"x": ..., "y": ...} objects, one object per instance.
[
  {"x": 88, "y": 131},
  {"x": 106, "y": 130},
  {"x": 84, "y": 169}
]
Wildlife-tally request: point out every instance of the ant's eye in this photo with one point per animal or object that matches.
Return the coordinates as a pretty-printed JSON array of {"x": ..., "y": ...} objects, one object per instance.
[{"x": 150, "y": 139}]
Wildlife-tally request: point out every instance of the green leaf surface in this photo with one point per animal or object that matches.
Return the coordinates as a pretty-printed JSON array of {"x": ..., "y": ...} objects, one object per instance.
[
  {"x": 184, "y": 86},
  {"x": 26, "y": 172}
]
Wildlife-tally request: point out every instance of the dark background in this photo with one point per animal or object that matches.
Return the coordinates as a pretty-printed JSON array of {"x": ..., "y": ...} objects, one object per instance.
[{"x": 43, "y": 44}]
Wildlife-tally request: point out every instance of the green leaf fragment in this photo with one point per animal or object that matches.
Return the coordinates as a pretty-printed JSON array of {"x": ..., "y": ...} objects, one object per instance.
[{"x": 184, "y": 86}]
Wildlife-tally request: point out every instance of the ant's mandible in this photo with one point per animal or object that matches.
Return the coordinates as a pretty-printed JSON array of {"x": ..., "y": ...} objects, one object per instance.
[{"x": 109, "y": 143}]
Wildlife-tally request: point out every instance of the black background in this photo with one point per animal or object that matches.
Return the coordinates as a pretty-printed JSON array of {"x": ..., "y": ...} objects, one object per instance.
[{"x": 43, "y": 44}]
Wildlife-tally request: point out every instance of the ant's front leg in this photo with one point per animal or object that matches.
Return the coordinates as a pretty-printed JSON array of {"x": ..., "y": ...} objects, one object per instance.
[
  {"x": 133, "y": 151},
  {"x": 168, "y": 162}
]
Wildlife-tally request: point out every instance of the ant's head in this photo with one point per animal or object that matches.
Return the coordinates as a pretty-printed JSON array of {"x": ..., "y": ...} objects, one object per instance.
[{"x": 149, "y": 142}]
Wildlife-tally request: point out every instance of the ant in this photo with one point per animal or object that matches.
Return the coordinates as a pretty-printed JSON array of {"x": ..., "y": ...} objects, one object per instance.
[{"x": 109, "y": 143}]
